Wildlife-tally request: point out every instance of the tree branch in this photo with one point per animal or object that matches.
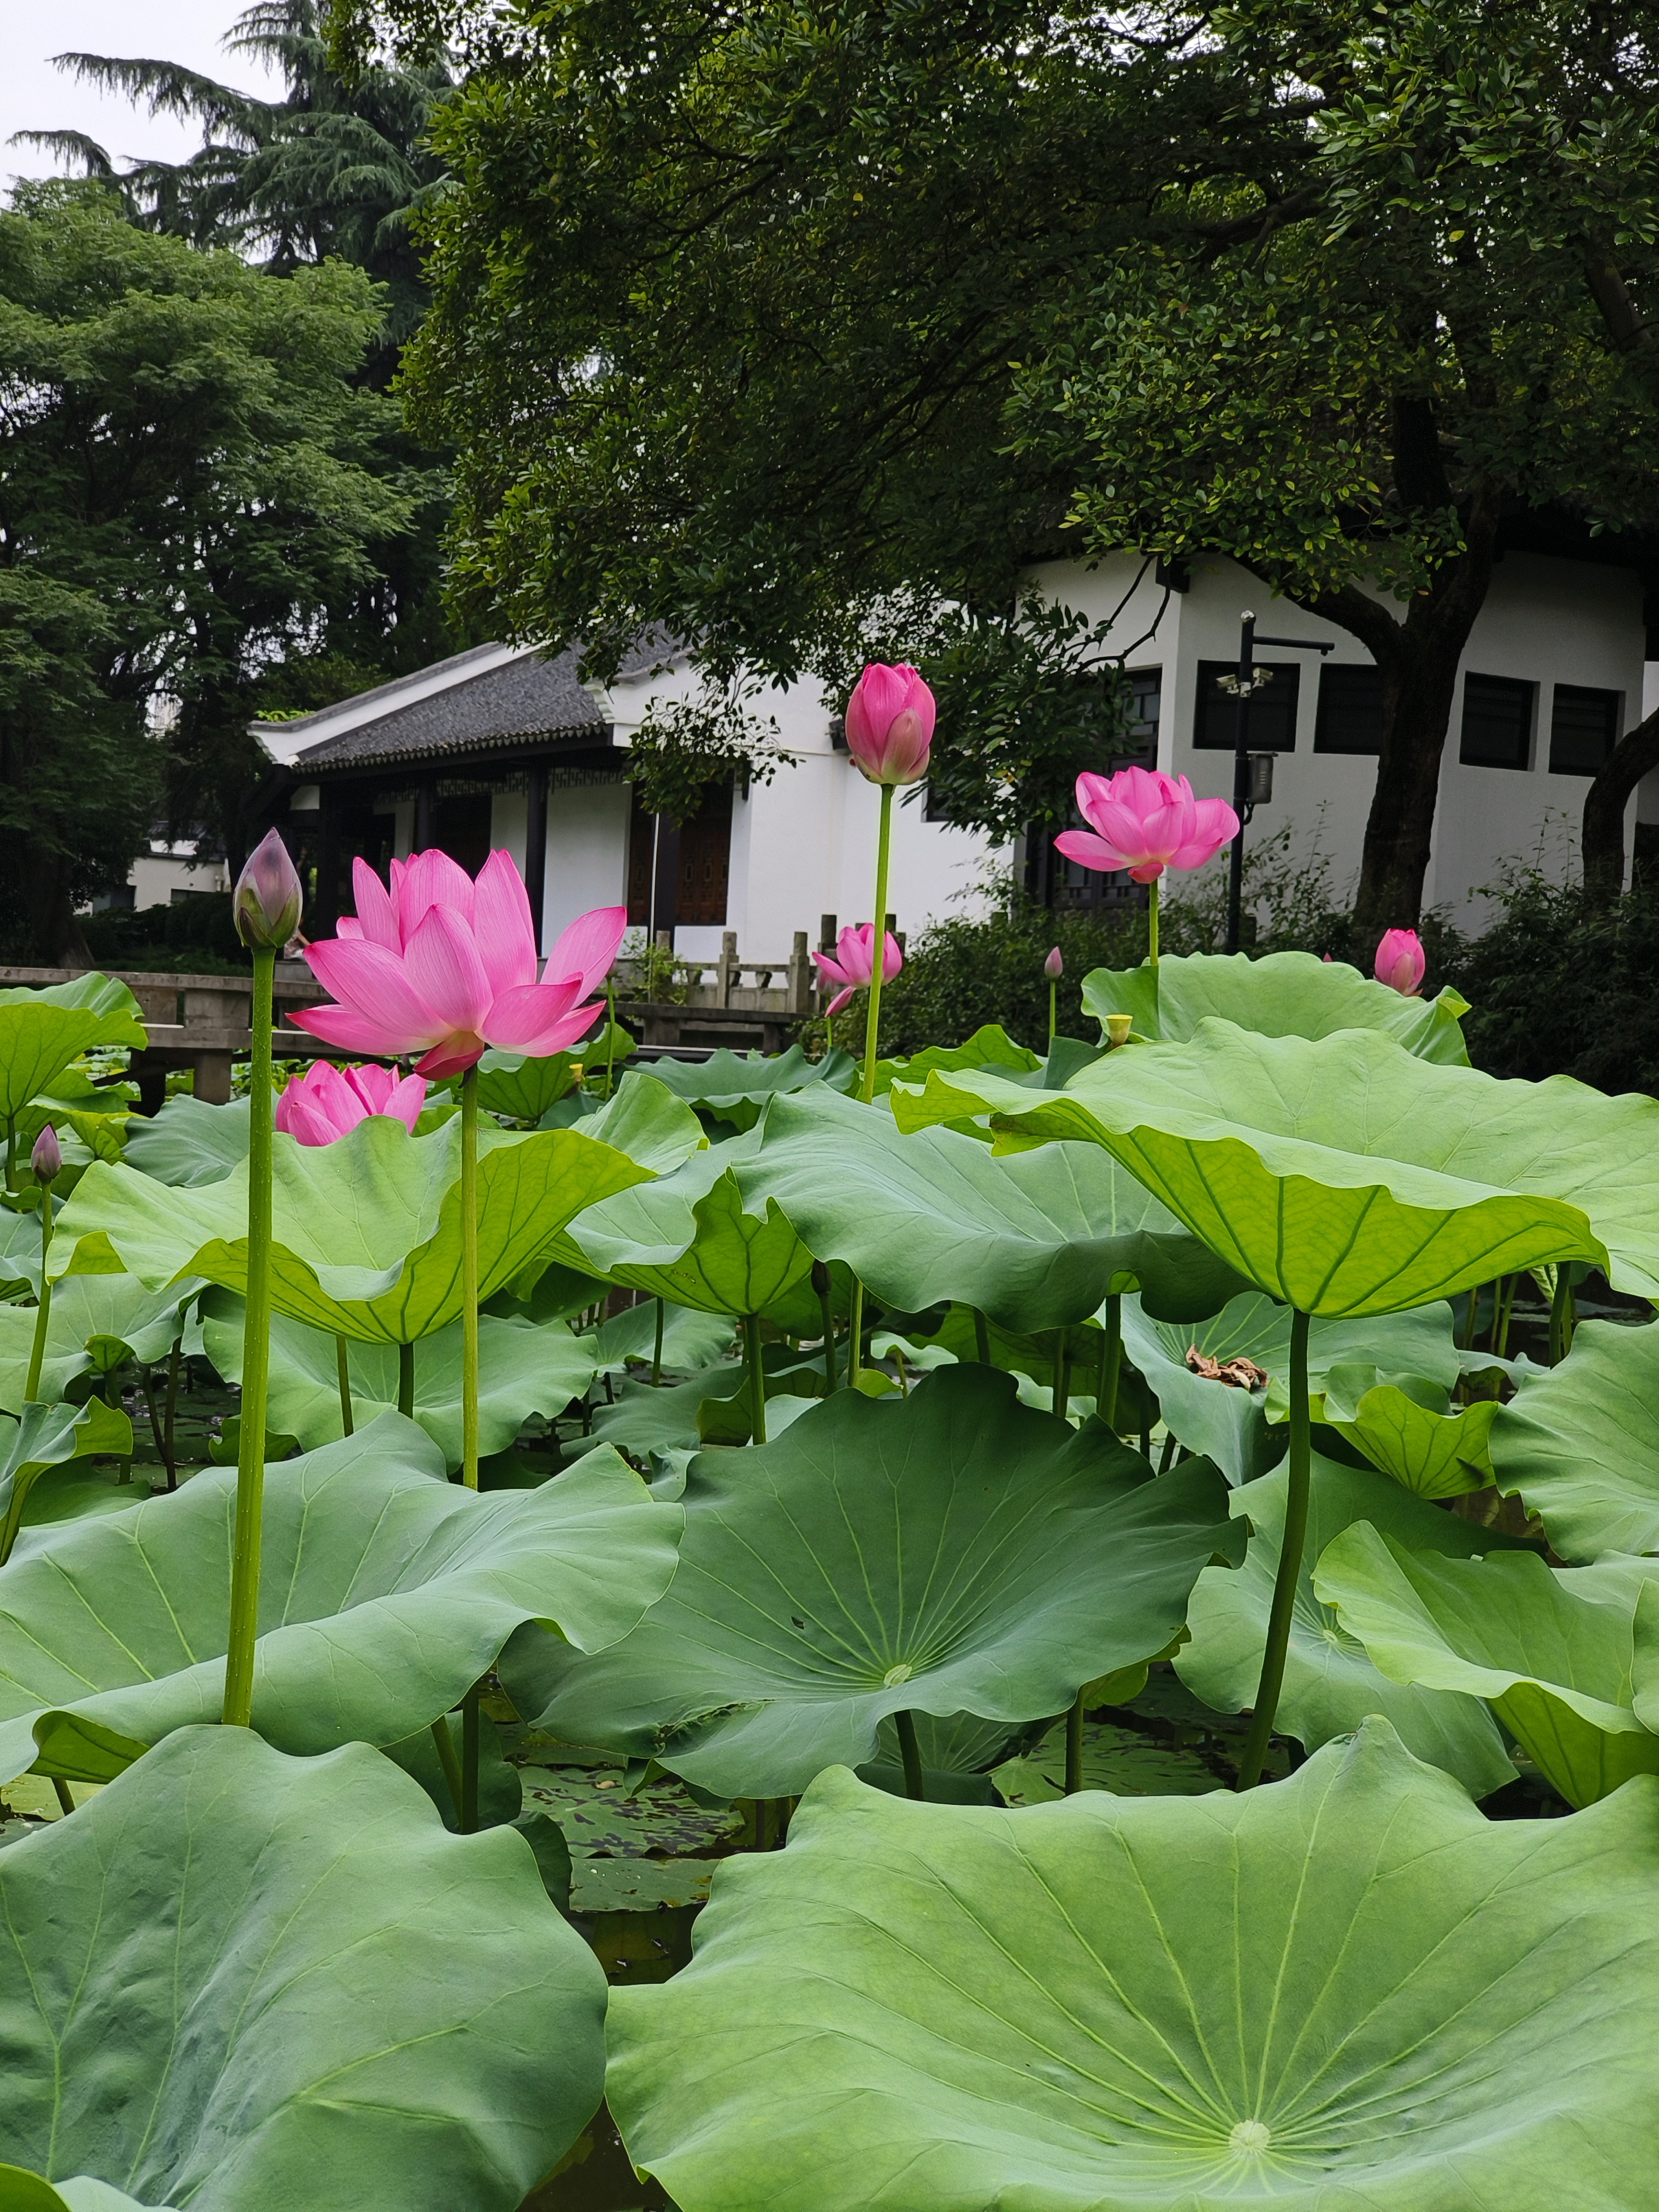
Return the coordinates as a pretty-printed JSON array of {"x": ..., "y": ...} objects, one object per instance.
[{"x": 1603, "y": 840}]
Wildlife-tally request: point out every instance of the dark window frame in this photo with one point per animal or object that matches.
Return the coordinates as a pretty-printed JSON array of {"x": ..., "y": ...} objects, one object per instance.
[
  {"x": 1214, "y": 708},
  {"x": 1356, "y": 676},
  {"x": 1572, "y": 696},
  {"x": 1517, "y": 688}
]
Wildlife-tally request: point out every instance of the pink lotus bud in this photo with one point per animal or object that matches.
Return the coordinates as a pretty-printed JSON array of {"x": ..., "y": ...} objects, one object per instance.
[
  {"x": 47, "y": 1157},
  {"x": 889, "y": 724},
  {"x": 1053, "y": 967},
  {"x": 268, "y": 899},
  {"x": 1401, "y": 962}
]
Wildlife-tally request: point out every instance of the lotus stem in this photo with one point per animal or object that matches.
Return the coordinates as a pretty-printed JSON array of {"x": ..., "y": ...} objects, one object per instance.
[
  {"x": 1561, "y": 1315},
  {"x": 1501, "y": 1320},
  {"x": 1111, "y": 1360},
  {"x": 342, "y": 1362},
  {"x": 910, "y": 1753},
  {"x": 981, "y": 1338},
  {"x": 1054, "y": 1019},
  {"x": 826, "y": 1308},
  {"x": 448, "y": 1760},
  {"x": 1062, "y": 1372},
  {"x": 11, "y": 1153},
  {"x": 146, "y": 1377},
  {"x": 43, "y": 1314},
  {"x": 1151, "y": 923},
  {"x": 256, "y": 1362},
  {"x": 469, "y": 1277},
  {"x": 610, "y": 1034},
  {"x": 856, "y": 1333},
  {"x": 168, "y": 1454},
  {"x": 1147, "y": 1444},
  {"x": 1166, "y": 1457},
  {"x": 113, "y": 1400},
  {"x": 1074, "y": 1746},
  {"x": 64, "y": 1794},
  {"x": 469, "y": 1762},
  {"x": 1290, "y": 1564},
  {"x": 878, "y": 945},
  {"x": 751, "y": 1350},
  {"x": 406, "y": 1380}
]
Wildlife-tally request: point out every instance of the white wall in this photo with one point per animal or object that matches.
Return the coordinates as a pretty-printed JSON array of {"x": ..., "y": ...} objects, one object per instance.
[
  {"x": 156, "y": 877},
  {"x": 586, "y": 854},
  {"x": 1545, "y": 621}
]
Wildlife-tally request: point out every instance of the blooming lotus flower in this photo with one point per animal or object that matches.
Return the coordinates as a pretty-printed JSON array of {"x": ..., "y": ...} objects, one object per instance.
[
  {"x": 267, "y": 900},
  {"x": 1053, "y": 967},
  {"x": 326, "y": 1102},
  {"x": 1401, "y": 962},
  {"x": 47, "y": 1157},
  {"x": 1146, "y": 821},
  {"x": 445, "y": 967},
  {"x": 889, "y": 724},
  {"x": 854, "y": 963}
]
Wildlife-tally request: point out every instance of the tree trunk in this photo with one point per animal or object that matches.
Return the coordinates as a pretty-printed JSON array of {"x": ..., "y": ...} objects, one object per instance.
[
  {"x": 58, "y": 942},
  {"x": 1636, "y": 753}
]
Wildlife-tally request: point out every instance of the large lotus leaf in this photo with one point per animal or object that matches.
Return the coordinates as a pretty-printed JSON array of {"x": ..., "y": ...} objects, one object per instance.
[
  {"x": 951, "y": 1552},
  {"x": 1348, "y": 1992},
  {"x": 20, "y": 1253},
  {"x": 1554, "y": 1652},
  {"x": 690, "y": 1236},
  {"x": 734, "y": 1087},
  {"x": 643, "y": 1419},
  {"x": 189, "y": 1142},
  {"x": 385, "y": 1592},
  {"x": 97, "y": 1322},
  {"x": 42, "y": 1031},
  {"x": 1343, "y": 1174},
  {"x": 367, "y": 1231},
  {"x": 1285, "y": 994},
  {"x": 1410, "y": 1432},
  {"x": 1330, "y": 1684},
  {"x": 1230, "y": 1423},
  {"x": 1034, "y": 1240},
  {"x": 27, "y": 2192},
  {"x": 990, "y": 1046},
  {"x": 644, "y": 1120},
  {"x": 48, "y": 1437},
  {"x": 690, "y": 1341},
  {"x": 97, "y": 1113},
  {"x": 246, "y": 1982},
  {"x": 1580, "y": 1443},
  {"x": 522, "y": 1088},
  {"x": 523, "y": 1369}
]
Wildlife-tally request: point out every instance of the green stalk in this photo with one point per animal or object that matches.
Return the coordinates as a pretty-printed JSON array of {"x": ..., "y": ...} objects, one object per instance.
[
  {"x": 167, "y": 1455},
  {"x": 610, "y": 1034},
  {"x": 910, "y": 1753},
  {"x": 1111, "y": 1361},
  {"x": 1062, "y": 1372},
  {"x": 1290, "y": 1564},
  {"x": 877, "y": 945},
  {"x": 855, "y": 1334},
  {"x": 342, "y": 1362},
  {"x": 1561, "y": 1315},
  {"x": 11, "y": 1153},
  {"x": 1053, "y": 1023},
  {"x": 65, "y": 1799},
  {"x": 1501, "y": 1339},
  {"x": 406, "y": 1380},
  {"x": 1166, "y": 1457},
  {"x": 656, "y": 1348},
  {"x": 469, "y": 1762},
  {"x": 43, "y": 1315},
  {"x": 448, "y": 1760},
  {"x": 751, "y": 1348},
  {"x": 1074, "y": 1746},
  {"x": 1151, "y": 923},
  {"x": 981, "y": 1339},
  {"x": 821, "y": 1283},
  {"x": 112, "y": 1399},
  {"x": 469, "y": 1278},
  {"x": 256, "y": 1362}
]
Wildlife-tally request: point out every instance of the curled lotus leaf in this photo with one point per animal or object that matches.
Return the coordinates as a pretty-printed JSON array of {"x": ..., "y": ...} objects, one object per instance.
[
  {"x": 1346, "y": 1992},
  {"x": 1580, "y": 1444},
  {"x": 1282, "y": 995},
  {"x": 952, "y": 1552},
  {"x": 1343, "y": 1174},
  {"x": 42, "y": 1031},
  {"x": 243, "y": 1982},
  {"x": 1410, "y": 1430}
]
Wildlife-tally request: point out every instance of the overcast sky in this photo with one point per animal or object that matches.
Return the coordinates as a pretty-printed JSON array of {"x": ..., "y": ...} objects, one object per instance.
[{"x": 35, "y": 96}]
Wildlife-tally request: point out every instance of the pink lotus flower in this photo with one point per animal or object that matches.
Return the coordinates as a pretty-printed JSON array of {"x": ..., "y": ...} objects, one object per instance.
[
  {"x": 326, "y": 1102},
  {"x": 889, "y": 724},
  {"x": 1147, "y": 821},
  {"x": 1401, "y": 962},
  {"x": 445, "y": 967},
  {"x": 855, "y": 962}
]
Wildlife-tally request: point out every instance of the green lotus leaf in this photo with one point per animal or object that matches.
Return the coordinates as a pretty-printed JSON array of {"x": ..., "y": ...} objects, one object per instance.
[
  {"x": 644, "y": 1120},
  {"x": 385, "y": 1592},
  {"x": 97, "y": 1323},
  {"x": 690, "y": 1341},
  {"x": 947, "y": 1552},
  {"x": 1330, "y": 1684},
  {"x": 734, "y": 1087},
  {"x": 643, "y": 1419},
  {"x": 20, "y": 1253},
  {"x": 1284, "y": 994},
  {"x": 1553, "y": 1652},
  {"x": 1117, "y": 1758},
  {"x": 521, "y": 1088},
  {"x": 1243, "y": 1429},
  {"x": 367, "y": 1239},
  {"x": 1412, "y": 1432},
  {"x": 49, "y": 1436},
  {"x": 1346, "y": 1990},
  {"x": 691, "y": 1237},
  {"x": 1033, "y": 1241},
  {"x": 1343, "y": 1174},
  {"x": 42, "y": 1031},
  {"x": 189, "y": 1142},
  {"x": 1580, "y": 1443},
  {"x": 247, "y": 1983},
  {"x": 990, "y": 1046},
  {"x": 96, "y": 1113},
  {"x": 522, "y": 1370},
  {"x": 28, "y": 2192}
]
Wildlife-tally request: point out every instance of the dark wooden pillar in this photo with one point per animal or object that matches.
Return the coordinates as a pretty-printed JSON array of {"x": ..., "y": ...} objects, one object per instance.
[
  {"x": 665, "y": 889},
  {"x": 535, "y": 845},
  {"x": 325, "y": 906},
  {"x": 426, "y": 808}
]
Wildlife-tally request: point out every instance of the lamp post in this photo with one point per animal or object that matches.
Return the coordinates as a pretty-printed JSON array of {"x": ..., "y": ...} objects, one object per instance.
[{"x": 1243, "y": 685}]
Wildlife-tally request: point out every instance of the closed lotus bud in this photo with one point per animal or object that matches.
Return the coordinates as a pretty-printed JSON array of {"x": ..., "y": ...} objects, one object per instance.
[
  {"x": 268, "y": 899},
  {"x": 47, "y": 1157},
  {"x": 1053, "y": 967},
  {"x": 889, "y": 724}
]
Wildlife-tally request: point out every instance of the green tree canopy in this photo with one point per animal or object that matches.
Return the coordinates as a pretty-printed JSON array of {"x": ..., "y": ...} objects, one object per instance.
[{"x": 188, "y": 472}]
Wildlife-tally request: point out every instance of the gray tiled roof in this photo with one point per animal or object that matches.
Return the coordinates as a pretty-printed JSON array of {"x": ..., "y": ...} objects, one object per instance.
[{"x": 530, "y": 697}]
